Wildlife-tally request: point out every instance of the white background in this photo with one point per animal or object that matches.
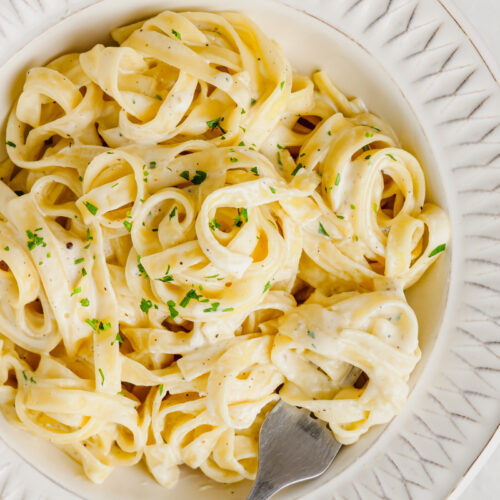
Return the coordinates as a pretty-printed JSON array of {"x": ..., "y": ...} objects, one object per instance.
[{"x": 483, "y": 23}]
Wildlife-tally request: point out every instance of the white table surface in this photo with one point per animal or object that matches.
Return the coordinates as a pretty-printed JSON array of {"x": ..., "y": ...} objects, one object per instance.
[{"x": 484, "y": 18}]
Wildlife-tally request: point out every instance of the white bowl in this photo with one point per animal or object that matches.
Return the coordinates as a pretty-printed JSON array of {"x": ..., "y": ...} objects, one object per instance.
[{"x": 398, "y": 61}]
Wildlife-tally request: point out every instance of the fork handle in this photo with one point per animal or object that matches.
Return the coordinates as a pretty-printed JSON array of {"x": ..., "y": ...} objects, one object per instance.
[{"x": 263, "y": 490}]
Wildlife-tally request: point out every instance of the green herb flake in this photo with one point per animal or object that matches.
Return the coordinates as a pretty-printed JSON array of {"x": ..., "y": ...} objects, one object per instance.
[
  {"x": 94, "y": 323},
  {"x": 213, "y": 224},
  {"x": 185, "y": 175},
  {"x": 176, "y": 34},
  {"x": 282, "y": 84},
  {"x": 102, "y": 376},
  {"x": 25, "y": 376},
  {"x": 337, "y": 180},
  {"x": 353, "y": 206},
  {"x": 91, "y": 208},
  {"x": 76, "y": 290},
  {"x": 375, "y": 207},
  {"x": 167, "y": 278},
  {"x": 391, "y": 157},
  {"x": 159, "y": 97},
  {"x": 278, "y": 159},
  {"x": 118, "y": 339},
  {"x": 161, "y": 389},
  {"x": 227, "y": 309},
  {"x": 310, "y": 333},
  {"x": 438, "y": 249},
  {"x": 34, "y": 240},
  {"x": 80, "y": 260},
  {"x": 6, "y": 248},
  {"x": 368, "y": 134},
  {"x": 252, "y": 102},
  {"x": 171, "y": 215},
  {"x": 172, "y": 309},
  {"x": 215, "y": 123},
  {"x": 128, "y": 225},
  {"x": 85, "y": 302},
  {"x": 367, "y": 157},
  {"x": 340, "y": 216},
  {"x": 191, "y": 294},
  {"x": 213, "y": 307},
  {"x": 199, "y": 177},
  {"x": 242, "y": 216},
  {"x": 233, "y": 159},
  {"x": 243, "y": 111},
  {"x": 84, "y": 272},
  {"x": 267, "y": 286},
  {"x": 146, "y": 305},
  {"x": 11, "y": 144},
  {"x": 329, "y": 132},
  {"x": 254, "y": 171},
  {"x": 322, "y": 230},
  {"x": 152, "y": 164},
  {"x": 272, "y": 189},
  {"x": 297, "y": 168}
]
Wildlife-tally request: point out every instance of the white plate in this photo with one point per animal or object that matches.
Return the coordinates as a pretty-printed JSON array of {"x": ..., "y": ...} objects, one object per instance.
[{"x": 413, "y": 64}]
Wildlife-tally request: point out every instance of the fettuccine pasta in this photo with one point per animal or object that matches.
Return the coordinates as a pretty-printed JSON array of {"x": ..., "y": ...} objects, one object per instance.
[{"x": 191, "y": 231}]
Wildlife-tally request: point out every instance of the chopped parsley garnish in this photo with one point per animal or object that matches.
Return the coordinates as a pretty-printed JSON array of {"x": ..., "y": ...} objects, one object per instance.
[
  {"x": 356, "y": 237},
  {"x": 140, "y": 267},
  {"x": 185, "y": 175},
  {"x": 374, "y": 128},
  {"x": 6, "y": 248},
  {"x": 172, "y": 309},
  {"x": 297, "y": 168},
  {"x": 161, "y": 389},
  {"x": 233, "y": 159},
  {"x": 176, "y": 34},
  {"x": 89, "y": 236},
  {"x": 241, "y": 143},
  {"x": 367, "y": 157},
  {"x": 213, "y": 224},
  {"x": 199, "y": 177},
  {"x": 353, "y": 206},
  {"x": 104, "y": 326},
  {"x": 84, "y": 272},
  {"x": 311, "y": 334},
  {"x": 215, "y": 123},
  {"x": 391, "y": 156},
  {"x": 243, "y": 111},
  {"x": 102, "y": 376},
  {"x": 159, "y": 97},
  {"x": 375, "y": 207},
  {"x": 11, "y": 144},
  {"x": 167, "y": 278},
  {"x": 368, "y": 134},
  {"x": 242, "y": 215},
  {"x": 152, "y": 164},
  {"x": 80, "y": 260},
  {"x": 252, "y": 102},
  {"x": 85, "y": 302},
  {"x": 282, "y": 84},
  {"x": 94, "y": 323},
  {"x": 213, "y": 276},
  {"x": 267, "y": 286},
  {"x": 272, "y": 189},
  {"x": 366, "y": 148},
  {"x": 76, "y": 290},
  {"x": 340, "y": 216},
  {"x": 438, "y": 249},
  {"x": 118, "y": 339},
  {"x": 254, "y": 171},
  {"x": 322, "y": 230},
  {"x": 128, "y": 225},
  {"x": 25, "y": 376},
  {"x": 191, "y": 294},
  {"x": 278, "y": 159},
  {"x": 34, "y": 240},
  {"x": 329, "y": 132},
  {"x": 337, "y": 180},
  {"x": 213, "y": 307},
  {"x": 146, "y": 305},
  {"x": 171, "y": 215},
  {"x": 91, "y": 208},
  {"x": 227, "y": 309}
]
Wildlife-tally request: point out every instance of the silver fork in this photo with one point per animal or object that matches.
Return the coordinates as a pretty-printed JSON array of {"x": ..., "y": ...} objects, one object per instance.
[{"x": 293, "y": 447}]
